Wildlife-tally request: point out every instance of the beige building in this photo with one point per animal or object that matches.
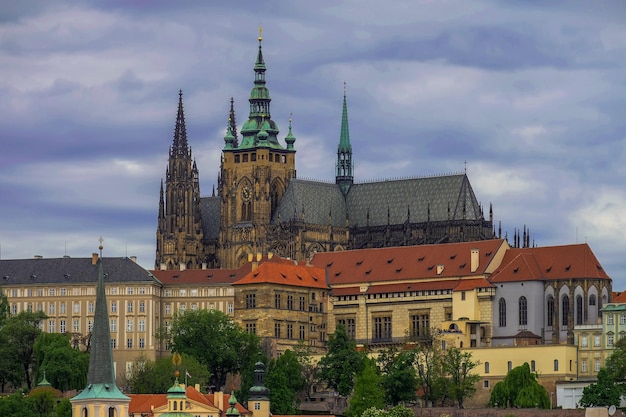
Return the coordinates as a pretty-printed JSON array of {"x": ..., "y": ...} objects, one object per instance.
[{"x": 284, "y": 304}]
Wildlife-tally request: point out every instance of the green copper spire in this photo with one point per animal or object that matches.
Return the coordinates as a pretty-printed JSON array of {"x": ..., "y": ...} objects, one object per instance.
[
  {"x": 290, "y": 138},
  {"x": 344, "y": 177},
  {"x": 229, "y": 139},
  {"x": 101, "y": 376},
  {"x": 259, "y": 118}
]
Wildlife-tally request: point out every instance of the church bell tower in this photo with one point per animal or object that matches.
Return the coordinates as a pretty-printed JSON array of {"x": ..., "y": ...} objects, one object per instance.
[{"x": 254, "y": 175}]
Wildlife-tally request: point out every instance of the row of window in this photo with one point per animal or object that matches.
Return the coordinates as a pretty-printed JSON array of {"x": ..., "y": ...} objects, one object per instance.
[
  {"x": 522, "y": 315},
  {"x": 182, "y": 307},
  {"x": 129, "y": 343},
  {"x": 203, "y": 292},
  {"x": 252, "y": 157},
  {"x": 289, "y": 335},
  {"x": 382, "y": 326},
  {"x": 402, "y": 294},
  {"x": 533, "y": 366},
  {"x": 63, "y": 292}
]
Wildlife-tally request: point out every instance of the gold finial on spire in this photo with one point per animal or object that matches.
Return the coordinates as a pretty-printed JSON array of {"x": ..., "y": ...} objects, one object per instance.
[
  {"x": 260, "y": 33},
  {"x": 290, "y": 118},
  {"x": 100, "y": 247}
]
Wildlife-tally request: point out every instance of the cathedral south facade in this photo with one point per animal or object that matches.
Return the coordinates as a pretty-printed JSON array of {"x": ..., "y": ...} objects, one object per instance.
[{"x": 261, "y": 206}]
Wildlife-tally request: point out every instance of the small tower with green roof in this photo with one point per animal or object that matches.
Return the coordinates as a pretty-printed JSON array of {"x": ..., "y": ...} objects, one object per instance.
[
  {"x": 176, "y": 401},
  {"x": 259, "y": 398}
]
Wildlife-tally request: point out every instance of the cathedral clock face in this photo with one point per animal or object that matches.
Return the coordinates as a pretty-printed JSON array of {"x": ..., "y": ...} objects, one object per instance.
[{"x": 245, "y": 193}]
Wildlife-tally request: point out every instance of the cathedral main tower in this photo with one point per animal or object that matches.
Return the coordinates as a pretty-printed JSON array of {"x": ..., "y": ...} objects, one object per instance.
[{"x": 254, "y": 175}]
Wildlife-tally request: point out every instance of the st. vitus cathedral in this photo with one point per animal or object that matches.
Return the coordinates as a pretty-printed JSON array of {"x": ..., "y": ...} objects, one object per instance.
[{"x": 261, "y": 205}]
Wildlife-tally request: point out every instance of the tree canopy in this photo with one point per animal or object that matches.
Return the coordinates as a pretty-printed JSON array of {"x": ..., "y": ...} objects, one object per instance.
[
  {"x": 19, "y": 333},
  {"x": 341, "y": 362},
  {"x": 151, "y": 377},
  {"x": 457, "y": 367},
  {"x": 399, "y": 378},
  {"x": 285, "y": 381},
  {"x": 65, "y": 368},
  {"x": 215, "y": 340},
  {"x": 610, "y": 385},
  {"x": 519, "y": 389},
  {"x": 368, "y": 390}
]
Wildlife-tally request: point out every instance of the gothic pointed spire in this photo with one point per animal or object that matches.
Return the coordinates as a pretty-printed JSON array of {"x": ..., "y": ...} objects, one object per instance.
[
  {"x": 180, "y": 145},
  {"x": 344, "y": 175},
  {"x": 290, "y": 138},
  {"x": 161, "y": 203},
  {"x": 233, "y": 123},
  {"x": 101, "y": 374}
]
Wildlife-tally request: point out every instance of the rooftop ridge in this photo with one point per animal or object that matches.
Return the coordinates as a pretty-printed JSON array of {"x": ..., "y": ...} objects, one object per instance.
[{"x": 407, "y": 178}]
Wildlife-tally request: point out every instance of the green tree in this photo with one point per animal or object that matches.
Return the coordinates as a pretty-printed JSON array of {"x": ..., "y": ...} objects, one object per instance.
[
  {"x": 215, "y": 340},
  {"x": 66, "y": 368},
  {"x": 5, "y": 308},
  {"x": 150, "y": 377},
  {"x": 64, "y": 408},
  {"x": 310, "y": 369},
  {"x": 21, "y": 331},
  {"x": 368, "y": 390},
  {"x": 519, "y": 389},
  {"x": 399, "y": 375},
  {"x": 284, "y": 380},
  {"x": 42, "y": 402},
  {"x": 11, "y": 371},
  {"x": 604, "y": 393},
  {"x": 16, "y": 405},
  {"x": 341, "y": 362},
  {"x": 429, "y": 363},
  {"x": 457, "y": 366}
]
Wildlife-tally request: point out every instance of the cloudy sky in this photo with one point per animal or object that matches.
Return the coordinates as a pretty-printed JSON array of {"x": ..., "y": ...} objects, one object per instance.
[{"x": 528, "y": 96}]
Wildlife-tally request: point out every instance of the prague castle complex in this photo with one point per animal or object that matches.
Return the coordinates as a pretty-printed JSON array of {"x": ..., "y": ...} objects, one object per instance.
[{"x": 292, "y": 259}]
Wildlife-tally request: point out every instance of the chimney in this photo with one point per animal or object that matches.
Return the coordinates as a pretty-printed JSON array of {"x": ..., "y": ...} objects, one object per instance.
[
  {"x": 134, "y": 259},
  {"x": 270, "y": 255},
  {"x": 203, "y": 265},
  {"x": 474, "y": 260},
  {"x": 182, "y": 266},
  {"x": 38, "y": 257},
  {"x": 259, "y": 256},
  {"x": 219, "y": 400},
  {"x": 250, "y": 257},
  {"x": 94, "y": 258},
  {"x": 163, "y": 266},
  {"x": 440, "y": 269}
]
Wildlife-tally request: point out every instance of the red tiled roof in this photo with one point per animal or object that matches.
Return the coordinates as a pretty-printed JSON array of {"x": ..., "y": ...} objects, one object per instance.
[
  {"x": 202, "y": 276},
  {"x": 285, "y": 274},
  {"x": 144, "y": 403},
  {"x": 549, "y": 263},
  {"x": 472, "y": 284},
  {"x": 619, "y": 297},
  {"x": 406, "y": 262}
]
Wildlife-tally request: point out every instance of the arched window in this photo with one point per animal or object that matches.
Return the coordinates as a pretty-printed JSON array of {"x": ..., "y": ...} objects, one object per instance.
[
  {"x": 532, "y": 366},
  {"x": 565, "y": 310},
  {"x": 175, "y": 406},
  {"x": 502, "y": 312},
  {"x": 550, "y": 311},
  {"x": 592, "y": 300},
  {"x": 486, "y": 367},
  {"x": 523, "y": 311},
  {"x": 556, "y": 364},
  {"x": 111, "y": 411},
  {"x": 85, "y": 412},
  {"x": 579, "y": 309},
  {"x": 509, "y": 366}
]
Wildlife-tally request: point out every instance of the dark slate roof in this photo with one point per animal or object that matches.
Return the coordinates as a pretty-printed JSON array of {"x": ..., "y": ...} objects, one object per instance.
[
  {"x": 399, "y": 197},
  {"x": 68, "y": 270},
  {"x": 318, "y": 199},
  {"x": 210, "y": 212}
]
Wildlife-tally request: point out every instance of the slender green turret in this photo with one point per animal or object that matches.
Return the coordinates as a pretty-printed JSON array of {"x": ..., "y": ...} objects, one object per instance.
[{"x": 344, "y": 176}]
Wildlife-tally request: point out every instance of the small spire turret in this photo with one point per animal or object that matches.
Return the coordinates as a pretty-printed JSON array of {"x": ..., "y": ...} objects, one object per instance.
[{"x": 344, "y": 175}]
